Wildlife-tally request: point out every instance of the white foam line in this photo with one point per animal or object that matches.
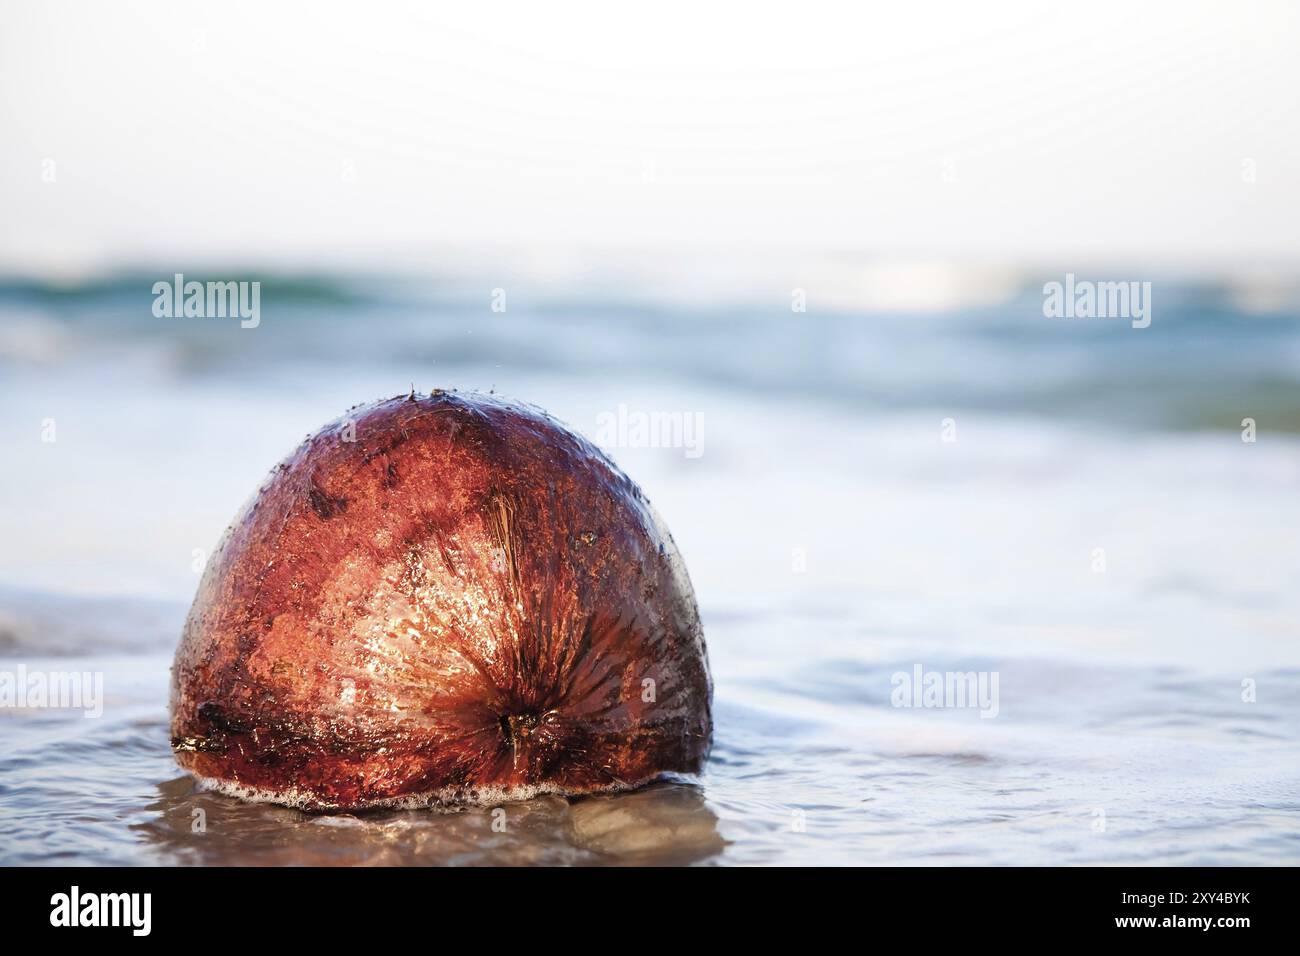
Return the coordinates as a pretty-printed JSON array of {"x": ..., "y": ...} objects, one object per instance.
[{"x": 448, "y": 797}]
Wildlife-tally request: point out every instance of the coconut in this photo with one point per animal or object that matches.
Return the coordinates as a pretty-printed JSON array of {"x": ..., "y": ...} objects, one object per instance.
[{"x": 441, "y": 598}]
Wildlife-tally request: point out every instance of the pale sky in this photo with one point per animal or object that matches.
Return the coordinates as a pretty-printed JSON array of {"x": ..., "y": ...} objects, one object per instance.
[{"x": 342, "y": 133}]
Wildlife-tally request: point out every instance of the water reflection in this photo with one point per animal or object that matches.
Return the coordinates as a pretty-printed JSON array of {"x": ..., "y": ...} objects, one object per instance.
[{"x": 668, "y": 823}]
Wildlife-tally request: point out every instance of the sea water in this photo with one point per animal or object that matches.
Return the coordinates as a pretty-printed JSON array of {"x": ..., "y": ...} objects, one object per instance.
[{"x": 876, "y": 508}]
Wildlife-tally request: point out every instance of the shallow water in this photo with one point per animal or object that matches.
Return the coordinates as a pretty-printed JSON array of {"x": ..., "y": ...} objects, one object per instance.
[
  {"x": 834, "y": 540},
  {"x": 811, "y": 765}
]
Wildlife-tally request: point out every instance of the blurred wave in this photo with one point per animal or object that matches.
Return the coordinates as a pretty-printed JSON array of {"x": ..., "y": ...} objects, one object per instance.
[
  {"x": 60, "y": 625},
  {"x": 1216, "y": 351}
]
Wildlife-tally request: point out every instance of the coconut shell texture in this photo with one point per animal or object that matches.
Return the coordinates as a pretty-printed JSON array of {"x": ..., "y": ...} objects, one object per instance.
[{"x": 441, "y": 598}]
